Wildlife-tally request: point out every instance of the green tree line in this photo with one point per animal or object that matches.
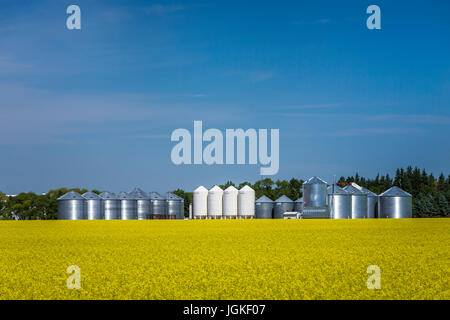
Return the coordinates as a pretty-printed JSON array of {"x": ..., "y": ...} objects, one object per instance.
[{"x": 431, "y": 196}]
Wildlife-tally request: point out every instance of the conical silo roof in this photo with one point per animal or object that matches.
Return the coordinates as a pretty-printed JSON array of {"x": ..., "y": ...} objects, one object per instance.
[
  {"x": 368, "y": 192},
  {"x": 108, "y": 195},
  {"x": 353, "y": 190},
  {"x": 155, "y": 196},
  {"x": 315, "y": 180},
  {"x": 91, "y": 196},
  {"x": 283, "y": 198},
  {"x": 216, "y": 189},
  {"x": 337, "y": 190},
  {"x": 246, "y": 189},
  {"x": 299, "y": 200},
  {"x": 172, "y": 196},
  {"x": 201, "y": 189},
  {"x": 231, "y": 189},
  {"x": 264, "y": 199},
  {"x": 72, "y": 195},
  {"x": 395, "y": 192},
  {"x": 124, "y": 196},
  {"x": 138, "y": 194}
]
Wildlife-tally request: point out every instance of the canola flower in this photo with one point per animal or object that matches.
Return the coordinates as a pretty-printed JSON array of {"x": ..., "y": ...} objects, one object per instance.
[{"x": 225, "y": 259}]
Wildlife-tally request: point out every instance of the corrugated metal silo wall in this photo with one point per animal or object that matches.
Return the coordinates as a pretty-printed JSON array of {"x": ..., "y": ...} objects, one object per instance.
[
  {"x": 71, "y": 210},
  {"x": 359, "y": 206},
  {"x": 128, "y": 209},
  {"x": 341, "y": 206},
  {"x": 263, "y": 210},
  {"x": 372, "y": 207},
  {"x": 314, "y": 195},
  {"x": 395, "y": 207},
  {"x": 94, "y": 209},
  {"x": 143, "y": 209},
  {"x": 111, "y": 209},
  {"x": 280, "y": 208}
]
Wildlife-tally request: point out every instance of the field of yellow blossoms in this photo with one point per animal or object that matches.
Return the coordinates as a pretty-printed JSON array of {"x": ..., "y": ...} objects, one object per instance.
[{"x": 225, "y": 259}]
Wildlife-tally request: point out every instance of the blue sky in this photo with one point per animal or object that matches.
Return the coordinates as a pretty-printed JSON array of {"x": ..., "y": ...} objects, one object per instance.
[{"x": 95, "y": 107}]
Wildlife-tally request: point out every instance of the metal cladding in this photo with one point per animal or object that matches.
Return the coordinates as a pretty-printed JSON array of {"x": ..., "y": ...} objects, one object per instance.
[
  {"x": 339, "y": 202},
  {"x": 230, "y": 202},
  {"x": 71, "y": 207},
  {"x": 282, "y": 204},
  {"x": 93, "y": 206},
  {"x": 175, "y": 206},
  {"x": 298, "y": 205},
  {"x": 215, "y": 197},
  {"x": 372, "y": 203},
  {"x": 143, "y": 203},
  {"x": 395, "y": 203},
  {"x": 111, "y": 206},
  {"x": 200, "y": 203},
  {"x": 159, "y": 206},
  {"x": 128, "y": 206},
  {"x": 246, "y": 202},
  {"x": 263, "y": 208},
  {"x": 314, "y": 192},
  {"x": 359, "y": 202}
]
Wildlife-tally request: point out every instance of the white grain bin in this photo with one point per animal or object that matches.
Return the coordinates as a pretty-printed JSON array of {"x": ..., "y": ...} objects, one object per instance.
[
  {"x": 215, "y": 203},
  {"x": 230, "y": 203},
  {"x": 246, "y": 203},
  {"x": 200, "y": 203}
]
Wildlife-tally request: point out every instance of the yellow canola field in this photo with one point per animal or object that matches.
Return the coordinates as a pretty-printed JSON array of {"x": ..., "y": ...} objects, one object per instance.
[{"x": 224, "y": 259}]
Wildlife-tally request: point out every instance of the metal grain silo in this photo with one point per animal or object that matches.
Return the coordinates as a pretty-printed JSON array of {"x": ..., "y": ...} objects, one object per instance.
[
  {"x": 128, "y": 206},
  {"x": 111, "y": 206},
  {"x": 175, "y": 206},
  {"x": 159, "y": 206},
  {"x": 230, "y": 203},
  {"x": 298, "y": 205},
  {"x": 372, "y": 203},
  {"x": 314, "y": 192},
  {"x": 339, "y": 203},
  {"x": 359, "y": 202},
  {"x": 71, "y": 207},
  {"x": 93, "y": 207},
  {"x": 282, "y": 204},
  {"x": 263, "y": 208},
  {"x": 200, "y": 203},
  {"x": 143, "y": 203},
  {"x": 246, "y": 203},
  {"x": 215, "y": 202},
  {"x": 395, "y": 203}
]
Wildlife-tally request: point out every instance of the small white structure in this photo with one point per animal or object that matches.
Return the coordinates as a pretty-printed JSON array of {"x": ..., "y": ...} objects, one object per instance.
[
  {"x": 291, "y": 215},
  {"x": 215, "y": 201},
  {"x": 230, "y": 203},
  {"x": 246, "y": 203},
  {"x": 200, "y": 203}
]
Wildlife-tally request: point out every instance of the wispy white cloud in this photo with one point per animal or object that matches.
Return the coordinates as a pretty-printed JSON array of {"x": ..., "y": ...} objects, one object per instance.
[
  {"x": 38, "y": 116},
  {"x": 411, "y": 118},
  {"x": 162, "y": 9},
  {"x": 313, "y": 106},
  {"x": 10, "y": 66},
  {"x": 352, "y": 132},
  {"x": 252, "y": 75},
  {"x": 312, "y": 22}
]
